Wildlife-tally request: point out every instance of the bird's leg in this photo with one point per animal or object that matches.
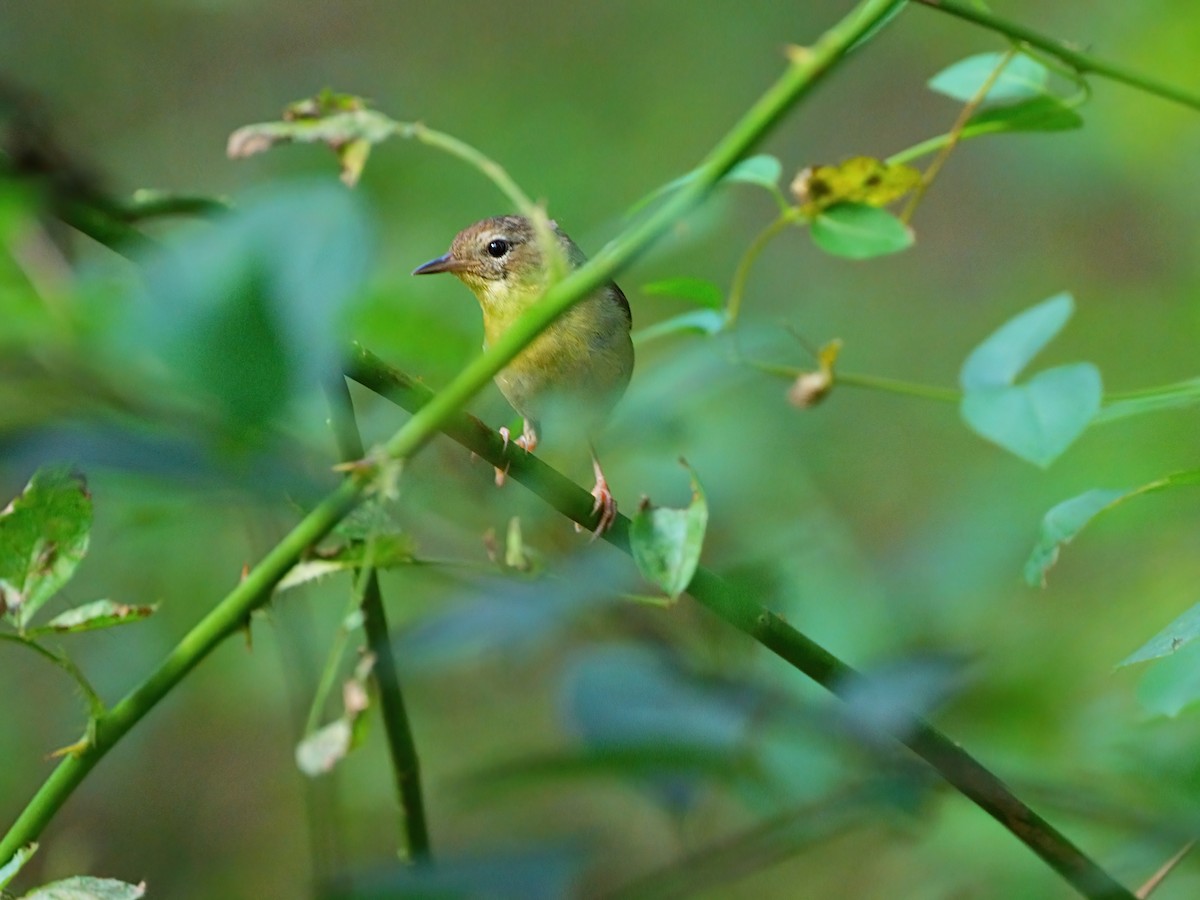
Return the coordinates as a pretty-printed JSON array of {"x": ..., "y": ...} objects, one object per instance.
[
  {"x": 528, "y": 441},
  {"x": 605, "y": 505}
]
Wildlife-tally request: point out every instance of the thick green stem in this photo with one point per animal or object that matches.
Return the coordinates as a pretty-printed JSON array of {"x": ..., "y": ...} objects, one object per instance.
[
  {"x": 401, "y": 746},
  {"x": 1084, "y": 63},
  {"x": 736, "y": 608}
]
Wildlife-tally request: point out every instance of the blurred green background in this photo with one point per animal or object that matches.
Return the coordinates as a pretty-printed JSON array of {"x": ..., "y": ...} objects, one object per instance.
[{"x": 878, "y": 524}]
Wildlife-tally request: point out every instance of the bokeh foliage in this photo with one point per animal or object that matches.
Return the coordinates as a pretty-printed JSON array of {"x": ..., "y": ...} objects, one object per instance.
[{"x": 877, "y": 523}]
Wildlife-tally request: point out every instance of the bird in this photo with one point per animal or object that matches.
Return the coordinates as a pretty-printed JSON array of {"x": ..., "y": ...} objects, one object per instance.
[{"x": 578, "y": 368}]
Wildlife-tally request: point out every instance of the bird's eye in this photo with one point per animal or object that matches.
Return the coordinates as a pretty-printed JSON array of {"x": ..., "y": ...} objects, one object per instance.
[{"x": 498, "y": 247}]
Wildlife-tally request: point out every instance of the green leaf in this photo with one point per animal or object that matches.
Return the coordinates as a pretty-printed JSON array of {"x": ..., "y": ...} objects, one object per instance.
[
  {"x": 1175, "y": 636},
  {"x": 700, "y": 291},
  {"x": 92, "y": 616},
  {"x": 666, "y": 542},
  {"x": 763, "y": 170},
  {"x": 1039, "y": 419},
  {"x": 1173, "y": 683},
  {"x": 11, "y": 867},
  {"x": 43, "y": 538},
  {"x": 1022, "y": 78},
  {"x": 384, "y": 551},
  {"x": 1009, "y": 349},
  {"x": 698, "y": 321},
  {"x": 1039, "y": 114},
  {"x": 859, "y": 231},
  {"x": 85, "y": 887},
  {"x": 1061, "y": 524}
]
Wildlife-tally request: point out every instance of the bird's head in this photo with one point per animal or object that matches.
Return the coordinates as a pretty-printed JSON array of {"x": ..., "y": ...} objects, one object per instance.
[{"x": 499, "y": 259}]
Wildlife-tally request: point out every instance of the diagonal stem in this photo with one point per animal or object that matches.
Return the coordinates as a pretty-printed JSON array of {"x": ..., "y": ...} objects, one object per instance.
[{"x": 953, "y": 763}]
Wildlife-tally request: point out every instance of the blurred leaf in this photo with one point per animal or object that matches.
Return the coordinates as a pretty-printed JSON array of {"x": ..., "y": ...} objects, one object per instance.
[
  {"x": 1060, "y": 525},
  {"x": 508, "y": 616},
  {"x": 1173, "y": 683},
  {"x": 639, "y": 761},
  {"x": 10, "y": 868},
  {"x": 386, "y": 551},
  {"x": 859, "y": 231},
  {"x": 697, "y": 321},
  {"x": 373, "y": 517},
  {"x": 764, "y": 170},
  {"x": 700, "y": 291},
  {"x": 889, "y": 700},
  {"x": 324, "y": 748},
  {"x": 1067, "y": 519},
  {"x": 247, "y": 311},
  {"x": 1000, "y": 358},
  {"x": 625, "y": 695},
  {"x": 28, "y": 317},
  {"x": 859, "y": 179},
  {"x": 1172, "y": 638},
  {"x": 1022, "y": 78},
  {"x": 92, "y": 616},
  {"x": 43, "y": 538},
  {"x": 629, "y": 696},
  {"x": 342, "y": 121},
  {"x": 1039, "y": 419},
  {"x": 1175, "y": 396},
  {"x": 1038, "y": 114},
  {"x": 528, "y": 873},
  {"x": 85, "y": 887},
  {"x": 666, "y": 542}
]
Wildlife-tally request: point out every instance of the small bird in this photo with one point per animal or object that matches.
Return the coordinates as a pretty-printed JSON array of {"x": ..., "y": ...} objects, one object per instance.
[{"x": 580, "y": 365}]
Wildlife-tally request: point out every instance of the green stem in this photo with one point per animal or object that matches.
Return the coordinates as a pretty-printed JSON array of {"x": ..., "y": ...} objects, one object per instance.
[
  {"x": 95, "y": 704},
  {"x": 953, "y": 763},
  {"x": 147, "y": 204},
  {"x": 1084, "y": 63},
  {"x": 406, "y": 767},
  {"x": 895, "y": 386},
  {"x": 227, "y": 617},
  {"x": 741, "y": 275}
]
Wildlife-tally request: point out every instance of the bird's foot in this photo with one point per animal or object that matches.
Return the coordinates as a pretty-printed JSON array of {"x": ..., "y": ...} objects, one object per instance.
[{"x": 605, "y": 505}]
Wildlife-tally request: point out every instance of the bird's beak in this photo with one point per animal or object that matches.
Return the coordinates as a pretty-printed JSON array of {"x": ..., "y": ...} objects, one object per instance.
[{"x": 446, "y": 263}]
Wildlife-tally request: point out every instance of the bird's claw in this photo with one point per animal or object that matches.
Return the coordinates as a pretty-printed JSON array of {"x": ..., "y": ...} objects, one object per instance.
[{"x": 604, "y": 507}]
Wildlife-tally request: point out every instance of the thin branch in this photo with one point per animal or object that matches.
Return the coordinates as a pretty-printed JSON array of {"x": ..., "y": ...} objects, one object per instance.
[
  {"x": 955, "y": 135},
  {"x": 741, "y": 275},
  {"x": 1154, "y": 881},
  {"x": 405, "y": 762},
  {"x": 953, "y": 763},
  {"x": 1083, "y": 63},
  {"x": 95, "y": 704},
  {"x": 805, "y": 69}
]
